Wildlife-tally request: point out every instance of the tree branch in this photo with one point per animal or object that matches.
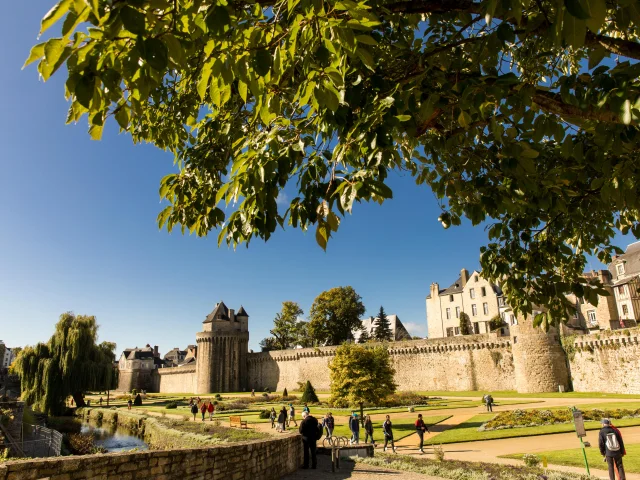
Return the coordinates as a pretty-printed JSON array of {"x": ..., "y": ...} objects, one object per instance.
[{"x": 552, "y": 103}]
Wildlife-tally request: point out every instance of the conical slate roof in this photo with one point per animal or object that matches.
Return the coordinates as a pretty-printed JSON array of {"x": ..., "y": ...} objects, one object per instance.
[
  {"x": 242, "y": 312},
  {"x": 220, "y": 312}
]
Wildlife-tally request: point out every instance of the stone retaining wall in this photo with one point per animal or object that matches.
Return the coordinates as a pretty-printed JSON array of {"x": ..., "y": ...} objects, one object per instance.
[{"x": 258, "y": 460}]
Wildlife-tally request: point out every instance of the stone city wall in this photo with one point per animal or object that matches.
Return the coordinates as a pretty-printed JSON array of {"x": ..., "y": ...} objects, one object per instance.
[
  {"x": 175, "y": 379},
  {"x": 258, "y": 460},
  {"x": 607, "y": 362},
  {"x": 477, "y": 362}
]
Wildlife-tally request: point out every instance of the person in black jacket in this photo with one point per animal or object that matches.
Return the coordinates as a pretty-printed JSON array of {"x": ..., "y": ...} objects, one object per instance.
[
  {"x": 612, "y": 448},
  {"x": 421, "y": 428},
  {"x": 282, "y": 420},
  {"x": 309, "y": 431},
  {"x": 387, "y": 429}
]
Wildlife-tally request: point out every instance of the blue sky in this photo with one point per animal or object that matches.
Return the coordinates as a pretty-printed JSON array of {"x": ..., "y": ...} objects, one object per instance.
[{"x": 79, "y": 233}]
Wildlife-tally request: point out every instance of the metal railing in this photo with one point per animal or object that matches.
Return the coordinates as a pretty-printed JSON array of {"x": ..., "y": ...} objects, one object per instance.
[{"x": 24, "y": 440}]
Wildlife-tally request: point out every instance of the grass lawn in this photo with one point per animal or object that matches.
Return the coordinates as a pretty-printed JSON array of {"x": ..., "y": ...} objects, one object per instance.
[
  {"x": 514, "y": 394},
  {"x": 573, "y": 457},
  {"x": 401, "y": 429},
  {"x": 468, "y": 431}
]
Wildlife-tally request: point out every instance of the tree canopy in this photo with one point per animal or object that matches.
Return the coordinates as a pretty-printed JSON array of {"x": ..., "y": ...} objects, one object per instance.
[
  {"x": 522, "y": 114},
  {"x": 288, "y": 331},
  {"x": 382, "y": 332},
  {"x": 309, "y": 395},
  {"x": 361, "y": 374},
  {"x": 70, "y": 363},
  {"x": 465, "y": 324},
  {"x": 335, "y": 315}
]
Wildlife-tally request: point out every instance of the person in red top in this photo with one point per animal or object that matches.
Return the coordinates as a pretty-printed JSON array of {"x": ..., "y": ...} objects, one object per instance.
[
  {"x": 203, "y": 409},
  {"x": 420, "y": 429},
  {"x": 211, "y": 409}
]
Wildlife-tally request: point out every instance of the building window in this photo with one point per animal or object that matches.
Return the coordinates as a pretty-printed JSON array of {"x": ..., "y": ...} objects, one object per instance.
[
  {"x": 591, "y": 315},
  {"x": 483, "y": 290},
  {"x": 472, "y": 293},
  {"x": 476, "y": 328},
  {"x": 474, "y": 310},
  {"x": 485, "y": 308},
  {"x": 448, "y": 313},
  {"x": 513, "y": 319},
  {"x": 625, "y": 311},
  {"x": 457, "y": 312},
  {"x": 476, "y": 277},
  {"x": 501, "y": 301},
  {"x": 450, "y": 332},
  {"x": 622, "y": 293},
  {"x": 457, "y": 330},
  {"x": 620, "y": 268},
  {"x": 451, "y": 298}
]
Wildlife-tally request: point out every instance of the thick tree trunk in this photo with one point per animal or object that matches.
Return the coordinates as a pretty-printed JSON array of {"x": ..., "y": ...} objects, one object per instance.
[
  {"x": 78, "y": 399},
  {"x": 362, "y": 414}
]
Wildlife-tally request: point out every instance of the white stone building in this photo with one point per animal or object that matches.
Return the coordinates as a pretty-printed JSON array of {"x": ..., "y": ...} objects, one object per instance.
[
  {"x": 471, "y": 294},
  {"x": 625, "y": 271},
  {"x": 7, "y": 356}
]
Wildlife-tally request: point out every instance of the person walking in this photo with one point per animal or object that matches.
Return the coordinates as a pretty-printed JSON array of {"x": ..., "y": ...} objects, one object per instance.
[
  {"x": 211, "y": 409},
  {"x": 489, "y": 402},
  {"x": 354, "y": 426},
  {"x": 203, "y": 409},
  {"x": 420, "y": 429},
  {"x": 328, "y": 424},
  {"x": 194, "y": 411},
  {"x": 612, "y": 449},
  {"x": 282, "y": 419},
  {"x": 387, "y": 429},
  {"x": 368, "y": 430},
  {"x": 100, "y": 401},
  {"x": 306, "y": 409},
  {"x": 292, "y": 415},
  {"x": 309, "y": 431},
  {"x": 272, "y": 417},
  {"x": 129, "y": 402}
]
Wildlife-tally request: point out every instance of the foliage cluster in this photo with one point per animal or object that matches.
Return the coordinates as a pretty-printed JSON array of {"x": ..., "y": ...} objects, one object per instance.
[
  {"x": 171, "y": 405},
  {"x": 465, "y": 324},
  {"x": 288, "y": 330},
  {"x": 531, "y": 460},
  {"x": 403, "y": 399},
  {"x": 361, "y": 374},
  {"x": 382, "y": 331},
  {"x": 533, "y": 418},
  {"x": 82, "y": 444},
  {"x": 309, "y": 394},
  {"x": 70, "y": 363},
  {"x": 335, "y": 315},
  {"x": 459, "y": 470}
]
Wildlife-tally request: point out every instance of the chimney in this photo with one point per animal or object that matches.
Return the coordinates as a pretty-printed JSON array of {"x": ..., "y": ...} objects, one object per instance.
[
  {"x": 155, "y": 351},
  {"x": 464, "y": 277},
  {"x": 232, "y": 315},
  {"x": 435, "y": 290}
]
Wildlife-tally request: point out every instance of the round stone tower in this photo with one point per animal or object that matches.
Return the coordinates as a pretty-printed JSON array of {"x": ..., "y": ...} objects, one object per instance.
[
  {"x": 222, "y": 351},
  {"x": 539, "y": 361}
]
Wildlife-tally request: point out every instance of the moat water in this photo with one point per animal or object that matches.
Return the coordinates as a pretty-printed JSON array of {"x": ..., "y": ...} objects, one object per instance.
[{"x": 113, "y": 438}]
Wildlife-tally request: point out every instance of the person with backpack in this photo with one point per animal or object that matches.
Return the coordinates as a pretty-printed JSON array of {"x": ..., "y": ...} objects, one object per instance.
[
  {"x": 328, "y": 423},
  {"x": 387, "y": 430},
  {"x": 420, "y": 429},
  {"x": 306, "y": 409},
  {"x": 129, "y": 403},
  {"x": 612, "y": 449},
  {"x": 354, "y": 426},
  {"x": 310, "y": 431},
  {"x": 194, "y": 410},
  {"x": 203, "y": 410},
  {"x": 368, "y": 430},
  {"x": 272, "y": 417},
  {"x": 488, "y": 399}
]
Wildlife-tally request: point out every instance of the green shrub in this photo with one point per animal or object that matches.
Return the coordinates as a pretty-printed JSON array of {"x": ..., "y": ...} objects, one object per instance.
[
  {"x": 438, "y": 452},
  {"x": 309, "y": 395},
  {"x": 265, "y": 414},
  {"x": 267, "y": 390},
  {"x": 138, "y": 401},
  {"x": 531, "y": 460},
  {"x": 134, "y": 392},
  {"x": 171, "y": 405},
  {"x": 285, "y": 393}
]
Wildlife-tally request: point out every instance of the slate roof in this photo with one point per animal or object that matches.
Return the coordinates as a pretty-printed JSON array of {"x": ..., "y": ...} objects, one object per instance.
[
  {"x": 242, "y": 312},
  {"x": 140, "y": 354},
  {"x": 220, "y": 312},
  {"x": 631, "y": 259}
]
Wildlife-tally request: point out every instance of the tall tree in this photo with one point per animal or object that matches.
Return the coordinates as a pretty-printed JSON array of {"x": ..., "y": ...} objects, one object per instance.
[
  {"x": 361, "y": 374},
  {"x": 382, "y": 332},
  {"x": 309, "y": 394},
  {"x": 513, "y": 113},
  {"x": 70, "y": 363},
  {"x": 465, "y": 324},
  {"x": 335, "y": 314},
  {"x": 287, "y": 328},
  {"x": 364, "y": 335},
  {"x": 268, "y": 344}
]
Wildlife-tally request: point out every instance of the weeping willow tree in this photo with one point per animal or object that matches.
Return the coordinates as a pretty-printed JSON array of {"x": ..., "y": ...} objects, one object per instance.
[{"x": 70, "y": 363}]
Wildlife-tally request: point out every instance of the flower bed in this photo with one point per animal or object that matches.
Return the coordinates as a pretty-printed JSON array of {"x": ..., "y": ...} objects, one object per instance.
[{"x": 536, "y": 418}]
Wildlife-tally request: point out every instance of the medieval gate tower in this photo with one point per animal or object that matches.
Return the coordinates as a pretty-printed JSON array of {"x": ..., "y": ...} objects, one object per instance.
[{"x": 223, "y": 344}]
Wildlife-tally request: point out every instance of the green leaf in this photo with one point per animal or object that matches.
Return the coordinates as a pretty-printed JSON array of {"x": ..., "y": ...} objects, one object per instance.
[
  {"x": 218, "y": 20},
  {"x": 529, "y": 153},
  {"x": 403, "y": 118},
  {"x": 53, "y": 49},
  {"x": 626, "y": 112},
  {"x": 464, "y": 119},
  {"x": 36, "y": 53},
  {"x": 132, "y": 19},
  {"x": 576, "y": 9},
  {"x": 366, "y": 58},
  {"x": 203, "y": 83},
  {"x": 96, "y": 131},
  {"x": 262, "y": 62},
  {"x": 322, "y": 235},
  {"x": 242, "y": 90},
  {"x": 597, "y": 13},
  {"x": 55, "y": 14},
  {"x": 331, "y": 98},
  {"x": 155, "y": 52},
  {"x": 366, "y": 39},
  {"x": 84, "y": 90},
  {"x": 574, "y": 31},
  {"x": 596, "y": 55},
  {"x": 176, "y": 52},
  {"x": 122, "y": 117}
]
